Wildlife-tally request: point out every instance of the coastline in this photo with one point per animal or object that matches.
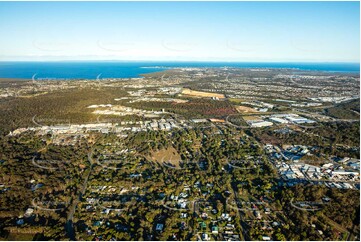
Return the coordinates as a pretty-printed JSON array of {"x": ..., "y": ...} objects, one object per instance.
[{"x": 93, "y": 70}]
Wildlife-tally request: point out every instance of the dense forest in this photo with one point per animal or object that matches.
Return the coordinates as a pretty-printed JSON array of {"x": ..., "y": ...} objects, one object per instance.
[
  {"x": 64, "y": 105},
  {"x": 347, "y": 110}
]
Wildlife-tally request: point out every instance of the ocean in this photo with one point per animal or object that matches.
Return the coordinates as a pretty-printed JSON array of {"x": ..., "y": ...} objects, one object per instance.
[{"x": 132, "y": 69}]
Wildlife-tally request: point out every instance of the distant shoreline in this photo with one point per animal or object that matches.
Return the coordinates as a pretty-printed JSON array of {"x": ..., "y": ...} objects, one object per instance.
[{"x": 132, "y": 69}]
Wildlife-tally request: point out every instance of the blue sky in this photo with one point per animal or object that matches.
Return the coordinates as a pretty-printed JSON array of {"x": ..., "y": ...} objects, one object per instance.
[{"x": 205, "y": 31}]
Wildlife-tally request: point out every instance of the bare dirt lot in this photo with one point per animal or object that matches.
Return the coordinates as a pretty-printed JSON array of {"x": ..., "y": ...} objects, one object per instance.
[
  {"x": 244, "y": 109},
  {"x": 190, "y": 92}
]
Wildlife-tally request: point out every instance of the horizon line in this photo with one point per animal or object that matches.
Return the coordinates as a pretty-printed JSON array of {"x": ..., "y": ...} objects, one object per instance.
[{"x": 222, "y": 61}]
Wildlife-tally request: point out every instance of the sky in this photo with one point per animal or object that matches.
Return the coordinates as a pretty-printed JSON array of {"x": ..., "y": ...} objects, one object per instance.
[{"x": 185, "y": 31}]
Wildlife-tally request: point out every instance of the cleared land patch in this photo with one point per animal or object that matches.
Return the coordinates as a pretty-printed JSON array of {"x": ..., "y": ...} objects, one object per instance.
[
  {"x": 252, "y": 118},
  {"x": 189, "y": 92},
  {"x": 244, "y": 109},
  {"x": 169, "y": 156}
]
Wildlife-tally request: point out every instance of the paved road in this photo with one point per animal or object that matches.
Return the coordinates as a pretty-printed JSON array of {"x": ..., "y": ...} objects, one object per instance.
[
  {"x": 329, "y": 119},
  {"x": 242, "y": 221},
  {"x": 69, "y": 224}
]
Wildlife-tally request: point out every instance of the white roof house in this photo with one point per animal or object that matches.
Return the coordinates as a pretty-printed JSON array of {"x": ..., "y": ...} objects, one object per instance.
[{"x": 266, "y": 238}]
